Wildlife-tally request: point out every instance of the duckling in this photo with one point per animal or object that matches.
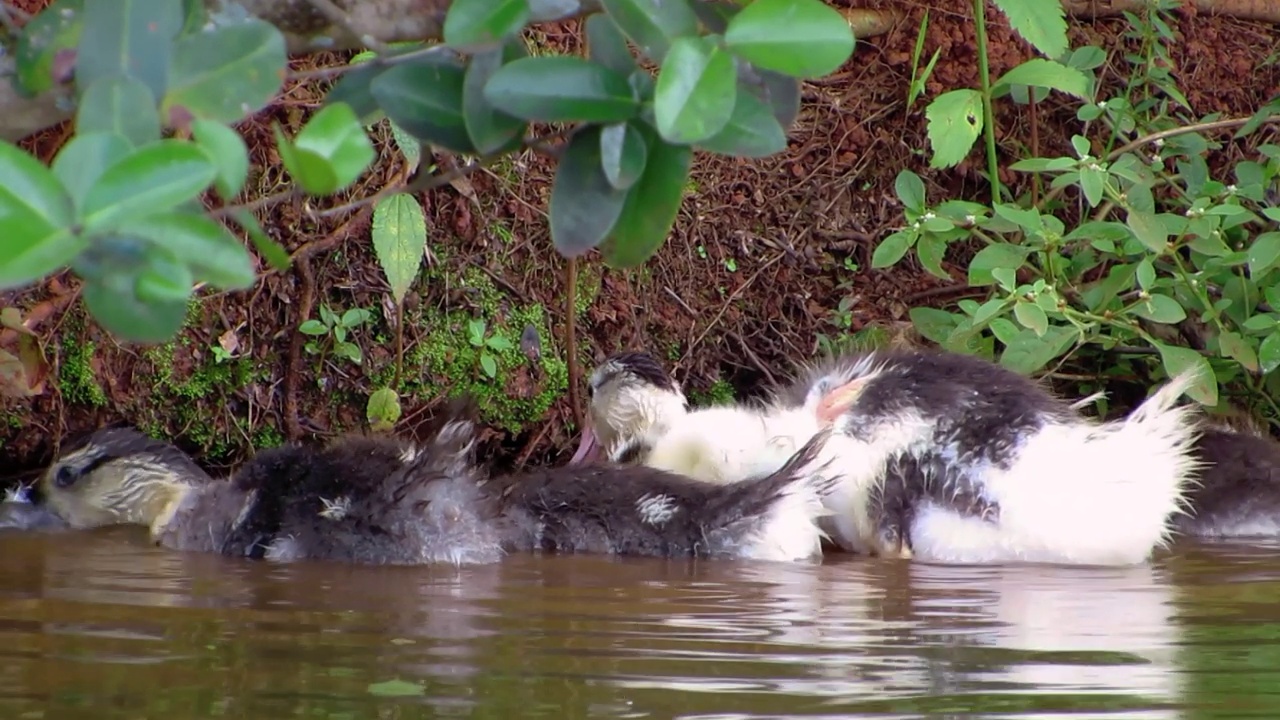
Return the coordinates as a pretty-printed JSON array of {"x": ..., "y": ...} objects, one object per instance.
[
  {"x": 371, "y": 500},
  {"x": 631, "y": 399},
  {"x": 1238, "y": 493},
  {"x": 992, "y": 467},
  {"x": 352, "y": 500}
]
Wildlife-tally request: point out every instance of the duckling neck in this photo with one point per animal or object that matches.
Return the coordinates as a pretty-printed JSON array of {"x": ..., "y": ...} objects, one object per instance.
[{"x": 197, "y": 518}]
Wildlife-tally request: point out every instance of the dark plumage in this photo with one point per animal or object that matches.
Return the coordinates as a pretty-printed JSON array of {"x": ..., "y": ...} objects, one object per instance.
[
  {"x": 913, "y": 478},
  {"x": 1238, "y": 493},
  {"x": 639, "y": 365}
]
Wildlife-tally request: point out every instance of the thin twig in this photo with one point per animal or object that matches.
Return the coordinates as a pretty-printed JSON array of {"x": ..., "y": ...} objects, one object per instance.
[
  {"x": 339, "y": 18},
  {"x": 724, "y": 307},
  {"x": 570, "y": 342}
]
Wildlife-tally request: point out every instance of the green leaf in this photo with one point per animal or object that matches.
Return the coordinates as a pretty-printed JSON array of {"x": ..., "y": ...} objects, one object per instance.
[
  {"x": 607, "y": 45},
  {"x": 800, "y": 38},
  {"x": 651, "y": 204},
  {"x": 54, "y": 31},
  {"x": 1038, "y": 72},
  {"x": 892, "y": 249},
  {"x": 153, "y": 178},
  {"x": 35, "y": 212},
  {"x": 396, "y": 688},
  {"x": 313, "y": 327},
  {"x": 129, "y": 37},
  {"x": 481, "y": 22},
  {"x": 1040, "y": 22},
  {"x": 269, "y": 249},
  {"x": 1093, "y": 183},
  {"x": 954, "y": 121},
  {"x": 696, "y": 89},
  {"x": 498, "y": 343},
  {"x": 400, "y": 241},
  {"x": 354, "y": 317},
  {"x": 752, "y": 131},
  {"x": 910, "y": 189},
  {"x": 133, "y": 289},
  {"x": 1234, "y": 346},
  {"x": 490, "y": 129},
  {"x": 1178, "y": 359},
  {"x": 1263, "y": 253},
  {"x": 383, "y": 410},
  {"x": 584, "y": 207},
  {"x": 201, "y": 242},
  {"x": 1161, "y": 309},
  {"x": 122, "y": 105},
  {"x": 226, "y": 73},
  {"x": 653, "y": 24},
  {"x": 488, "y": 364},
  {"x": 1029, "y": 352},
  {"x": 1030, "y": 316},
  {"x": 228, "y": 152},
  {"x": 330, "y": 152},
  {"x": 930, "y": 249},
  {"x": 994, "y": 257},
  {"x": 933, "y": 324},
  {"x": 82, "y": 161},
  {"x": 1148, "y": 229},
  {"x": 780, "y": 92},
  {"x": 561, "y": 89},
  {"x": 355, "y": 89},
  {"x": 426, "y": 99},
  {"x": 622, "y": 154},
  {"x": 1269, "y": 352}
]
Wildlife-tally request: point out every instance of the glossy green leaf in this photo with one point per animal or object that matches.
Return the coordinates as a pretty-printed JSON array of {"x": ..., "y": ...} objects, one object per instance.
[
  {"x": 153, "y": 178},
  {"x": 892, "y": 249},
  {"x": 584, "y": 206},
  {"x": 651, "y": 204},
  {"x": 228, "y": 152},
  {"x": 1179, "y": 359},
  {"x": 954, "y": 121},
  {"x": 1160, "y": 308},
  {"x": 226, "y": 73},
  {"x": 1040, "y": 22},
  {"x": 696, "y": 89},
  {"x": 930, "y": 249},
  {"x": 1030, "y": 316},
  {"x": 426, "y": 99},
  {"x": 653, "y": 24},
  {"x": 488, "y": 364},
  {"x": 383, "y": 410},
  {"x": 115, "y": 270},
  {"x": 82, "y": 161},
  {"x": 1093, "y": 182},
  {"x": 607, "y": 45},
  {"x": 1029, "y": 352},
  {"x": 1235, "y": 346},
  {"x": 269, "y": 249},
  {"x": 1039, "y": 72},
  {"x": 121, "y": 105},
  {"x": 752, "y": 131},
  {"x": 910, "y": 190},
  {"x": 490, "y": 129},
  {"x": 483, "y": 22},
  {"x": 622, "y": 154},
  {"x": 50, "y": 35},
  {"x": 355, "y": 89},
  {"x": 400, "y": 241},
  {"x": 1263, "y": 253},
  {"x": 780, "y": 92},
  {"x": 993, "y": 257},
  {"x": 129, "y": 37},
  {"x": 217, "y": 257},
  {"x": 800, "y": 38},
  {"x": 561, "y": 89},
  {"x": 1269, "y": 352},
  {"x": 330, "y": 152},
  {"x": 35, "y": 214}
]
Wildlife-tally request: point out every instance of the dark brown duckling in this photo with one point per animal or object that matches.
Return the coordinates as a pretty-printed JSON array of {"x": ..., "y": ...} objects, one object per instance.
[{"x": 1238, "y": 491}]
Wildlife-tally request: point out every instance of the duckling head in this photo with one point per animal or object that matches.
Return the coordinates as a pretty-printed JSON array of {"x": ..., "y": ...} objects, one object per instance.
[
  {"x": 117, "y": 476},
  {"x": 632, "y": 399}
]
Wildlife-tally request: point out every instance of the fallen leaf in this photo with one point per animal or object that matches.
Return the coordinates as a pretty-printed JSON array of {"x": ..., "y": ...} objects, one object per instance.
[{"x": 229, "y": 341}]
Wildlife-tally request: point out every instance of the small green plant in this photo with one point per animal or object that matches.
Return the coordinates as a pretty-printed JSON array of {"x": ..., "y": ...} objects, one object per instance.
[
  {"x": 332, "y": 330},
  {"x": 495, "y": 342},
  {"x": 918, "y": 78}
]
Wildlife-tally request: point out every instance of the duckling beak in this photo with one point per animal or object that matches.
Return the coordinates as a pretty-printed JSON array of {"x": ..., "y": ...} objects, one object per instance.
[
  {"x": 587, "y": 447},
  {"x": 28, "y": 516},
  {"x": 838, "y": 401}
]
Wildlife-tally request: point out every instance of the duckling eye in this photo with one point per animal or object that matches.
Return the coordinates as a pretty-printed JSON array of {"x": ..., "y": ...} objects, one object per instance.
[
  {"x": 591, "y": 392},
  {"x": 65, "y": 477}
]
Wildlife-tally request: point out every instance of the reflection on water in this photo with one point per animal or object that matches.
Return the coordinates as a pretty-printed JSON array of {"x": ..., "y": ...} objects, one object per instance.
[{"x": 102, "y": 625}]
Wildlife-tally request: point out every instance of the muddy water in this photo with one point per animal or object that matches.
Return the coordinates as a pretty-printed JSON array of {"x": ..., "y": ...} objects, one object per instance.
[{"x": 103, "y": 626}]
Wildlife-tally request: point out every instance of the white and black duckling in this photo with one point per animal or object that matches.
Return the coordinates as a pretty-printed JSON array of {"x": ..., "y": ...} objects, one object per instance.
[
  {"x": 370, "y": 500},
  {"x": 951, "y": 458},
  {"x": 1238, "y": 491},
  {"x": 632, "y": 399}
]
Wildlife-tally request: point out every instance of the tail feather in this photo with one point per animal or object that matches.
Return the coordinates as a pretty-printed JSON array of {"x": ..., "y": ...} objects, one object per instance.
[{"x": 774, "y": 517}]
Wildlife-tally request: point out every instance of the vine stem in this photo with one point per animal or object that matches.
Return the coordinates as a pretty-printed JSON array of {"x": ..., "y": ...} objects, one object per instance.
[{"x": 988, "y": 114}]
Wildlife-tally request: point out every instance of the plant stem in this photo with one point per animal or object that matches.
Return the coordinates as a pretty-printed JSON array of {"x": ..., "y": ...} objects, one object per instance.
[{"x": 988, "y": 115}]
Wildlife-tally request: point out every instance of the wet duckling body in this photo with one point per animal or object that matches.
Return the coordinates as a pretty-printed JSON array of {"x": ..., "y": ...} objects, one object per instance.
[
  {"x": 1238, "y": 491},
  {"x": 371, "y": 500},
  {"x": 632, "y": 401}
]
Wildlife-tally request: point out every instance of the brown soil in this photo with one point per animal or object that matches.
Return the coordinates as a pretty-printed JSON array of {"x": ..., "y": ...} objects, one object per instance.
[{"x": 746, "y": 282}]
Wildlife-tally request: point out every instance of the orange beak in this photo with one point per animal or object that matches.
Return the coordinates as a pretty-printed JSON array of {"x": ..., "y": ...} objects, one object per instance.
[{"x": 839, "y": 401}]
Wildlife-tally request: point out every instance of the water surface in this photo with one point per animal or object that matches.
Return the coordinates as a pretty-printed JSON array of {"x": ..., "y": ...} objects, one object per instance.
[{"x": 103, "y": 625}]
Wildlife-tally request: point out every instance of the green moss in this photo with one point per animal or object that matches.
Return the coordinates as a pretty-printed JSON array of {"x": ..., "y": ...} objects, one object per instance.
[
  {"x": 589, "y": 281},
  {"x": 76, "y": 380},
  {"x": 444, "y": 362},
  {"x": 720, "y": 393}
]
